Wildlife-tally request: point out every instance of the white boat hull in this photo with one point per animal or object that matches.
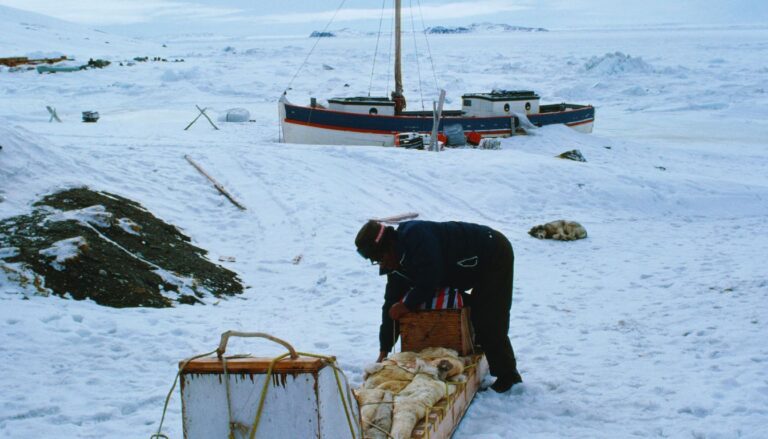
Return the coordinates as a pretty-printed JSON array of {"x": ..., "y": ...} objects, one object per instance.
[
  {"x": 584, "y": 127},
  {"x": 297, "y": 133}
]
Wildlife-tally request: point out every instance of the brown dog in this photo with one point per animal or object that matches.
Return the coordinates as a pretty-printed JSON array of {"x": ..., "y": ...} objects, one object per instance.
[{"x": 560, "y": 230}]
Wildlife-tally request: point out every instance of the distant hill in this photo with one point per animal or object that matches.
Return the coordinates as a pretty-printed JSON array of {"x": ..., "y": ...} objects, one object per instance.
[
  {"x": 321, "y": 34},
  {"x": 24, "y": 33},
  {"x": 482, "y": 28},
  {"x": 344, "y": 32},
  {"x": 485, "y": 28}
]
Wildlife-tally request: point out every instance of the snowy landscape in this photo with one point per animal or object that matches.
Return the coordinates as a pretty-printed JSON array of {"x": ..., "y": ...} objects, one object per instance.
[{"x": 653, "y": 326}]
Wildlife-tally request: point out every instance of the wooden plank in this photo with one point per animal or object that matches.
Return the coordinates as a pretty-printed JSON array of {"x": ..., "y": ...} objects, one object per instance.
[
  {"x": 446, "y": 415},
  {"x": 395, "y": 219},
  {"x": 202, "y": 111},
  {"x": 254, "y": 365},
  {"x": 20, "y": 60},
  {"x": 216, "y": 184},
  {"x": 14, "y": 61}
]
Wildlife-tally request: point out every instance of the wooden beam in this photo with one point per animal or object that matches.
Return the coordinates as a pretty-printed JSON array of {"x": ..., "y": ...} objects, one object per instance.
[
  {"x": 257, "y": 365},
  {"x": 202, "y": 111},
  {"x": 394, "y": 219},
  {"x": 216, "y": 184}
]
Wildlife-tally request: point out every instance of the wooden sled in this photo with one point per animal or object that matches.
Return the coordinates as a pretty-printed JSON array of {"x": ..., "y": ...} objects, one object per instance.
[
  {"x": 445, "y": 416},
  {"x": 448, "y": 328}
]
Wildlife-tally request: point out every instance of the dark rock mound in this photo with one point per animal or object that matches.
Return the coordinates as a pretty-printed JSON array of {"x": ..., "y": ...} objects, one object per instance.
[{"x": 100, "y": 246}]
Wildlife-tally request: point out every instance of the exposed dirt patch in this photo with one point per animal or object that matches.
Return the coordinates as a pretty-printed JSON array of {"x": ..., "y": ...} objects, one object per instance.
[{"x": 97, "y": 245}]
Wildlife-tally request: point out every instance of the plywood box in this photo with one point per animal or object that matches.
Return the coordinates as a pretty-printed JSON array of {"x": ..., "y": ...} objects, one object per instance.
[
  {"x": 446, "y": 328},
  {"x": 302, "y": 399}
]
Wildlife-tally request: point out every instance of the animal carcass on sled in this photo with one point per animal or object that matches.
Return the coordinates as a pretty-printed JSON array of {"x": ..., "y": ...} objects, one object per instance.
[{"x": 423, "y": 394}]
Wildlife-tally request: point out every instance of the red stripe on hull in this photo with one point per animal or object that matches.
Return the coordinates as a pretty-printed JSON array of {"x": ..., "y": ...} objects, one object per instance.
[
  {"x": 358, "y": 130},
  {"x": 581, "y": 122}
]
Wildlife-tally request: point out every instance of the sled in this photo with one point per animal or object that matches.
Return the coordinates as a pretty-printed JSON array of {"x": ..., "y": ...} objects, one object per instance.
[
  {"x": 293, "y": 395},
  {"x": 447, "y": 328},
  {"x": 445, "y": 416}
]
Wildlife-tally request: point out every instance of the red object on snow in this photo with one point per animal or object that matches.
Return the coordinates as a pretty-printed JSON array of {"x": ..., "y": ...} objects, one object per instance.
[
  {"x": 442, "y": 138},
  {"x": 474, "y": 138}
]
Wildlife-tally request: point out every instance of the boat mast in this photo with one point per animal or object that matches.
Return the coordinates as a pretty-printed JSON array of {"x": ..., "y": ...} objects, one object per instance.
[{"x": 397, "y": 95}]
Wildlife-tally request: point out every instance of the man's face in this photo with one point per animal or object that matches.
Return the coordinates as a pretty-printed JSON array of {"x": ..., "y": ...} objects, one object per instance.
[{"x": 389, "y": 261}]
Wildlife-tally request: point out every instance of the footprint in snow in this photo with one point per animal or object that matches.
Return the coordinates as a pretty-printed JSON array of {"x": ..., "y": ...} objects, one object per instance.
[
  {"x": 51, "y": 318},
  {"x": 332, "y": 301}
]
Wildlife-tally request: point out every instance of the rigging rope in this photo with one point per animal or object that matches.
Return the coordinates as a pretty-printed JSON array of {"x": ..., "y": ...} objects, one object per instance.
[
  {"x": 416, "y": 50},
  {"x": 429, "y": 49},
  {"x": 376, "y": 51},
  {"x": 313, "y": 47}
]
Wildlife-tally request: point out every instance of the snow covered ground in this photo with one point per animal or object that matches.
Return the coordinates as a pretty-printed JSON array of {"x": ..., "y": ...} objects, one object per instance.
[{"x": 654, "y": 326}]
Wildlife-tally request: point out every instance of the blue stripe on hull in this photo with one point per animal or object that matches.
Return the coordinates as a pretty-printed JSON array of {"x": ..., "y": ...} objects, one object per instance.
[
  {"x": 565, "y": 117},
  {"x": 390, "y": 124}
]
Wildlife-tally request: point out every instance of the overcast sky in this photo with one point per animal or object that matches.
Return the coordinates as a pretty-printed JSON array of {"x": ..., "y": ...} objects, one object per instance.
[{"x": 300, "y": 16}]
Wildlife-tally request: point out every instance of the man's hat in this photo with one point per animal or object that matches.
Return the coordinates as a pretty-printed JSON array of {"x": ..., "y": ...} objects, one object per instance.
[{"x": 370, "y": 240}]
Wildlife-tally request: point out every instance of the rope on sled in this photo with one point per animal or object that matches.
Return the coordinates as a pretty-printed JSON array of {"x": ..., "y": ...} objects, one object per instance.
[
  {"x": 331, "y": 362},
  {"x": 159, "y": 435}
]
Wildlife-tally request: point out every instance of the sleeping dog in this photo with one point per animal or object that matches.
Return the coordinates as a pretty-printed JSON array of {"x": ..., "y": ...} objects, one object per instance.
[{"x": 560, "y": 230}]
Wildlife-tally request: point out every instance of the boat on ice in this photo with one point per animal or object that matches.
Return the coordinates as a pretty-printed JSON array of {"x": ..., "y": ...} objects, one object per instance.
[
  {"x": 375, "y": 121},
  {"x": 380, "y": 121}
]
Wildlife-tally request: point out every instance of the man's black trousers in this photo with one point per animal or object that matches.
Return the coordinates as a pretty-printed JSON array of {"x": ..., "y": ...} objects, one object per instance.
[{"x": 491, "y": 300}]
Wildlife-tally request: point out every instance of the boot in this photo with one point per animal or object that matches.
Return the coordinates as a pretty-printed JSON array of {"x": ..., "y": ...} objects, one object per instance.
[{"x": 506, "y": 381}]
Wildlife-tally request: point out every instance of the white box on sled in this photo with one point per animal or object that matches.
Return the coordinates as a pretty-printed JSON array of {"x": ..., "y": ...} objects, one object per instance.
[{"x": 302, "y": 399}]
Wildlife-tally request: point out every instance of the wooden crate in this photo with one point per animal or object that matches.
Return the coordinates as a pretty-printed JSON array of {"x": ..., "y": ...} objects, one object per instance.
[{"x": 445, "y": 328}]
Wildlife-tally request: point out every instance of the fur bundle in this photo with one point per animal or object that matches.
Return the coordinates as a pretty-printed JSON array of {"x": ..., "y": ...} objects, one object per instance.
[
  {"x": 412, "y": 402},
  {"x": 560, "y": 230},
  {"x": 375, "y": 411},
  {"x": 416, "y": 381}
]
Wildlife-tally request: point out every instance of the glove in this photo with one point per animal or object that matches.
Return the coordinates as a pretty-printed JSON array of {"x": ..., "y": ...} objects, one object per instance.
[{"x": 398, "y": 310}]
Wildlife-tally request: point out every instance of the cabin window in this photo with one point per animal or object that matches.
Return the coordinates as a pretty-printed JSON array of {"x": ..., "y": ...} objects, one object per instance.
[
  {"x": 467, "y": 102},
  {"x": 373, "y": 110},
  {"x": 527, "y": 106},
  {"x": 506, "y": 108}
]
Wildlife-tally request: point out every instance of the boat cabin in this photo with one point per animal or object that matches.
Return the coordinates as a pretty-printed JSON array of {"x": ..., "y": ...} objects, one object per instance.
[
  {"x": 363, "y": 105},
  {"x": 500, "y": 102}
]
